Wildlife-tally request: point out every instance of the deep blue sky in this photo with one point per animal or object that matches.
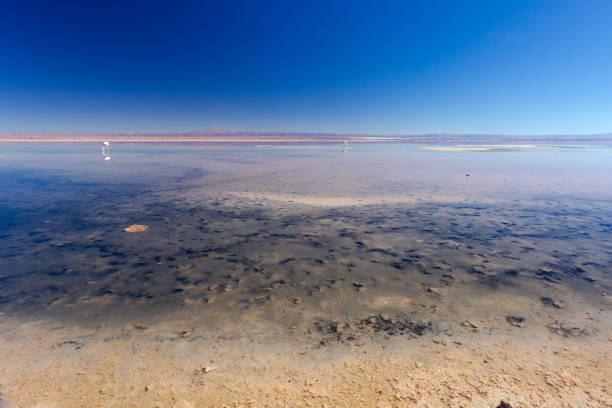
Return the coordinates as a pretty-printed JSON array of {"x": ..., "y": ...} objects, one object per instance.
[{"x": 341, "y": 66}]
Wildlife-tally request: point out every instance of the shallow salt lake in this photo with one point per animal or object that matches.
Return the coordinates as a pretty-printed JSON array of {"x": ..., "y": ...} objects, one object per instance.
[{"x": 272, "y": 275}]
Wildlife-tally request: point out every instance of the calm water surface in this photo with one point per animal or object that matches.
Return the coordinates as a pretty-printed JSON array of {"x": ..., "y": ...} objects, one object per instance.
[{"x": 406, "y": 217}]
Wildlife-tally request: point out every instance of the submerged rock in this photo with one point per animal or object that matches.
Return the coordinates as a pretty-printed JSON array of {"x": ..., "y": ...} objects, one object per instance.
[
  {"x": 470, "y": 325},
  {"x": 550, "y": 302},
  {"x": 515, "y": 321},
  {"x": 136, "y": 228},
  {"x": 359, "y": 286}
]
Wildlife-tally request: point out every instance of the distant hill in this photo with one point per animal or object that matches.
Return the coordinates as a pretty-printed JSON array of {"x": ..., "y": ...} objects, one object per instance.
[{"x": 214, "y": 134}]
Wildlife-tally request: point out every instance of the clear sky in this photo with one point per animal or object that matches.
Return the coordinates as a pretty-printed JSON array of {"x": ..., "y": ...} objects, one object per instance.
[{"x": 381, "y": 67}]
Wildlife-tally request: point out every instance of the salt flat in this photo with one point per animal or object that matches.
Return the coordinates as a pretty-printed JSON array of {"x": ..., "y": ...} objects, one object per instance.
[{"x": 379, "y": 276}]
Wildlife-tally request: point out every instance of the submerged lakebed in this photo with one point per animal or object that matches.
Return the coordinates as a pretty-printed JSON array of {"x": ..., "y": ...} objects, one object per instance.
[{"x": 375, "y": 274}]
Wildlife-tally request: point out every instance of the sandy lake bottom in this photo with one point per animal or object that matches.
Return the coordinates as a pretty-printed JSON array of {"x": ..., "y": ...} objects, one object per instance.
[{"x": 374, "y": 275}]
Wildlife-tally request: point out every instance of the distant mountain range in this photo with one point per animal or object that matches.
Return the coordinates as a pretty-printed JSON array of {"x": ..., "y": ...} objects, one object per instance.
[{"x": 213, "y": 134}]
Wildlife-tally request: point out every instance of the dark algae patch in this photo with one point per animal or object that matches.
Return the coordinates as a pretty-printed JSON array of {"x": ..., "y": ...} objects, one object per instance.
[{"x": 354, "y": 330}]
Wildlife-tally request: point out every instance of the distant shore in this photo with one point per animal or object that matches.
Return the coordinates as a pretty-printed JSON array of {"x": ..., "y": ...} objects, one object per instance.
[
  {"x": 281, "y": 139},
  {"x": 123, "y": 139},
  {"x": 217, "y": 135}
]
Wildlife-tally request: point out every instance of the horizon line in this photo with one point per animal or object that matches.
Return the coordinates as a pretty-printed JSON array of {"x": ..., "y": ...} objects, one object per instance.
[{"x": 218, "y": 132}]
